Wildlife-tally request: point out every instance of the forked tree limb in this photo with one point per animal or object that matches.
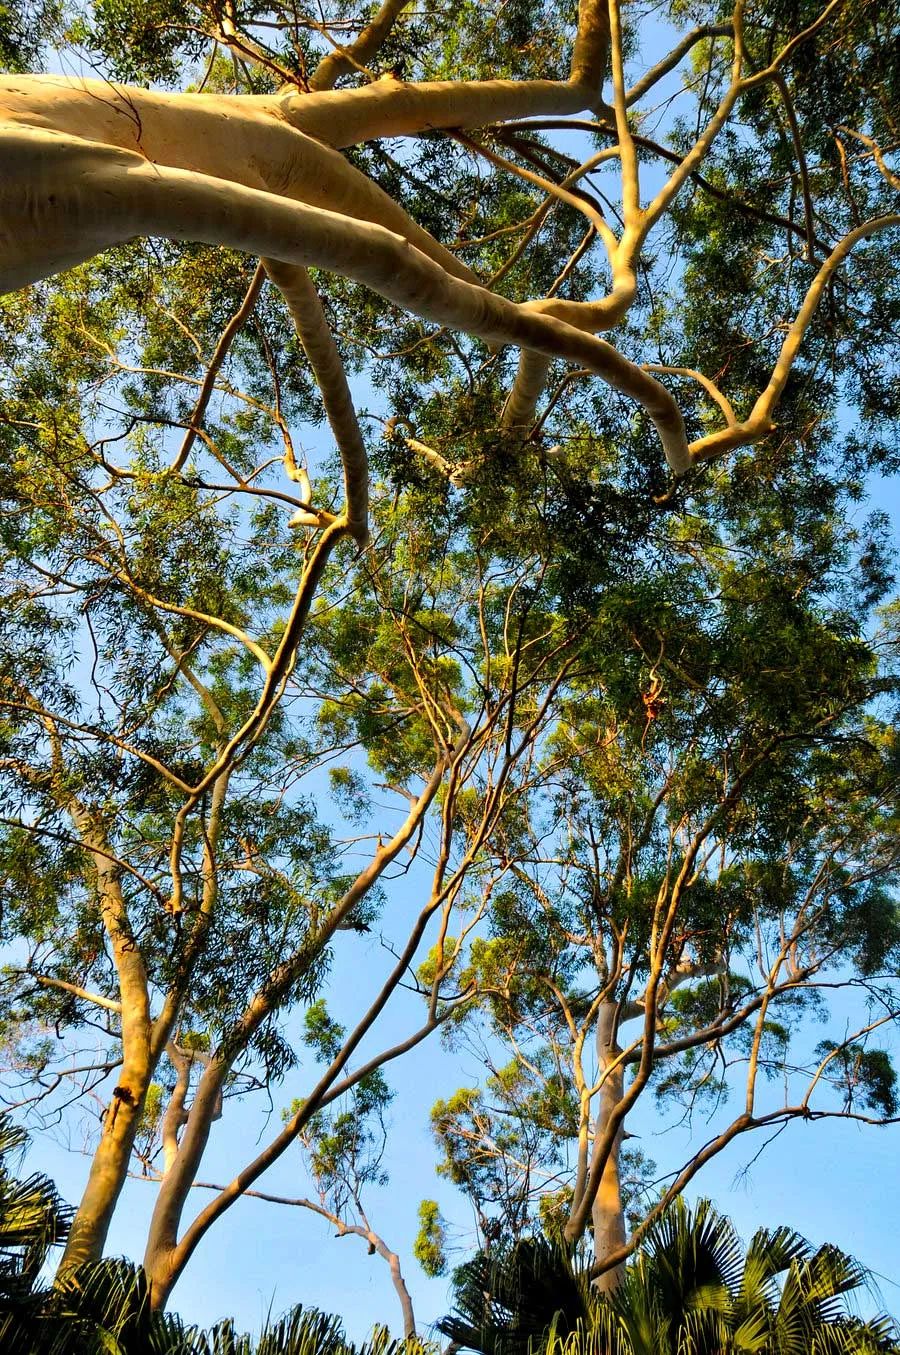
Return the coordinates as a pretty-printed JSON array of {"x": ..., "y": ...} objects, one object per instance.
[
  {"x": 64, "y": 200},
  {"x": 239, "y": 138},
  {"x": 742, "y": 1124},
  {"x": 665, "y": 153},
  {"x": 218, "y": 157},
  {"x": 166, "y": 1255},
  {"x": 229, "y": 334},
  {"x": 877, "y": 155},
  {"x": 581, "y": 202},
  {"x": 759, "y": 422},
  {"x": 522, "y": 403},
  {"x": 342, "y": 1229},
  {"x": 591, "y": 316},
  {"x": 347, "y": 60}
]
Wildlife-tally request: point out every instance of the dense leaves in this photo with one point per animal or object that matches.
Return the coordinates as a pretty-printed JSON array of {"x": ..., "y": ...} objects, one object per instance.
[
  {"x": 691, "y": 1290},
  {"x": 644, "y": 731}
]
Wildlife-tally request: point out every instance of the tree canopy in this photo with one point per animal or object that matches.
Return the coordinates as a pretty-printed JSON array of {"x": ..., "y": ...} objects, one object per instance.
[{"x": 564, "y": 665}]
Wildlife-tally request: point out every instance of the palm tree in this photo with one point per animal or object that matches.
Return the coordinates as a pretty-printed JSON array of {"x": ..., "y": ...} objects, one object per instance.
[
  {"x": 506, "y": 1300},
  {"x": 33, "y": 1219},
  {"x": 691, "y": 1290}
]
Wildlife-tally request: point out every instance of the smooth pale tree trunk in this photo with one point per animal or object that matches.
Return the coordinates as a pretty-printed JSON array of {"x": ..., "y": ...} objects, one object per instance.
[
  {"x": 143, "y": 1038},
  {"x": 607, "y": 1213},
  {"x": 109, "y": 1167},
  {"x": 399, "y": 1283}
]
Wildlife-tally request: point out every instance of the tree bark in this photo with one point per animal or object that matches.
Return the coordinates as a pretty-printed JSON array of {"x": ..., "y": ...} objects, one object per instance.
[
  {"x": 162, "y": 1241},
  {"x": 109, "y": 1167},
  {"x": 607, "y": 1213},
  {"x": 81, "y": 197},
  {"x": 399, "y": 1283}
]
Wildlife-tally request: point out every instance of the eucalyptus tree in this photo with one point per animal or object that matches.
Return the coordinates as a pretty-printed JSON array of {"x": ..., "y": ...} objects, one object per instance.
[
  {"x": 106, "y": 1306},
  {"x": 184, "y": 998},
  {"x": 172, "y": 883},
  {"x": 704, "y": 858}
]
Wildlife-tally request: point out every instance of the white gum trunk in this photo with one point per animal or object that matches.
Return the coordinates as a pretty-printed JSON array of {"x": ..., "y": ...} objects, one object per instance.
[
  {"x": 240, "y": 139},
  {"x": 161, "y": 1257},
  {"x": 109, "y": 1170},
  {"x": 109, "y": 1167},
  {"x": 607, "y": 1213},
  {"x": 389, "y": 107}
]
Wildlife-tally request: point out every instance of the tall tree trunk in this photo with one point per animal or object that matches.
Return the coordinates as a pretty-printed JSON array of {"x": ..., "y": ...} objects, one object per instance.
[
  {"x": 161, "y": 1261},
  {"x": 109, "y": 1167},
  {"x": 607, "y": 1213}
]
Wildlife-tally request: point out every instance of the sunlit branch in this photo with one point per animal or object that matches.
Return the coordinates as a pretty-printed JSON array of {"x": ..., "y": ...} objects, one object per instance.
[
  {"x": 709, "y": 386},
  {"x": 229, "y": 334},
  {"x": 668, "y": 63},
  {"x": 306, "y": 311},
  {"x": 347, "y": 60},
  {"x": 110, "y": 1004},
  {"x": 877, "y": 155},
  {"x": 759, "y": 423},
  {"x": 157, "y": 200}
]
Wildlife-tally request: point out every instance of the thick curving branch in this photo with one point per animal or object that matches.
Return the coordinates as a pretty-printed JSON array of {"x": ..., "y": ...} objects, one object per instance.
[
  {"x": 63, "y": 200},
  {"x": 303, "y": 302},
  {"x": 306, "y": 311},
  {"x": 390, "y": 107},
  {"x": 590, "y": 54},
  {"x": 348, "y": 60},
  {"x": 242, "y": 139}
]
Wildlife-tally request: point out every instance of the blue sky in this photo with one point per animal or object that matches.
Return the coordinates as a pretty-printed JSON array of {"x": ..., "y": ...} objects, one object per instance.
[{"x": 831, "y": 1181}]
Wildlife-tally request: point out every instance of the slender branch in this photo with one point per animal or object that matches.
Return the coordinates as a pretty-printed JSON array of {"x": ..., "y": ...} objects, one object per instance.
[
  {"x": 695, "y": 156},
  {"x": 111, "y": 1004},
  {"x": 631, "y": 196},
  {"x": 228, "y": 336},
  {"x": 308, "y": 316},
  {"x": 709, "y": 386},
  {"x": 668, "y": 63},
  {"x": 877, "y": 155},
  {"x": 759, "y": 422},
  {"x": 797, "y": 138}
]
